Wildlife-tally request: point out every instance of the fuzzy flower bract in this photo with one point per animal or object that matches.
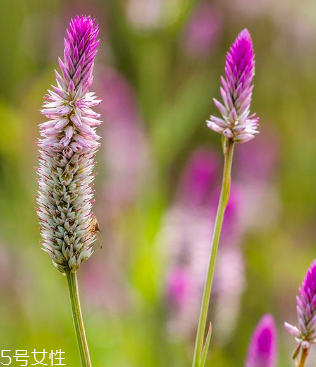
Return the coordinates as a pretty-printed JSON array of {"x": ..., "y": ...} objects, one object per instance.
[
  {"x": 237, "y": 123},
  {"x": 305, "y": 333},
  {"x": 68, "y": 146},
  {"x": 262, "y": 350}
]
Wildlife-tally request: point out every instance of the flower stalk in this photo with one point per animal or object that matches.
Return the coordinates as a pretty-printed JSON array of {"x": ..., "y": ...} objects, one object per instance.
[
  {"x": 78, "y": 320},
  {"x": 228, "y": 148},
  {"x": 68, "y": 146},
  {"x": 303, "y": 358},
  {"x": 236, "y": 125}
]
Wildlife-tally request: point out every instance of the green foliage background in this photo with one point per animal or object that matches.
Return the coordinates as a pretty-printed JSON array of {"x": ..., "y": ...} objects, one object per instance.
[{"x": 174, "y": 95}]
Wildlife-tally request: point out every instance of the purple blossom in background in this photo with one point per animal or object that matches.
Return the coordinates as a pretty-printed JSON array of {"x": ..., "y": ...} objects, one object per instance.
[
  {"x": 229, "y": 285},
  {"x": 259, "y": 159},
  {"x": 126, "y": 151},
  {"x": 232, "y": 227},
  {"x": 178, "y": 286},
  {"x": 187, "y": 231},
  {"x": 256, "y": 172},
  {"x": 236, "y": 91},
  {"x": 305, "y": 333},
  {"x": 262, "y": 350},
  {"x": 203, "y": 30},
  {"x": 68, "y": 145},
  {"x": 125, "y": 157},
  {"x": 198, "y": 179}
]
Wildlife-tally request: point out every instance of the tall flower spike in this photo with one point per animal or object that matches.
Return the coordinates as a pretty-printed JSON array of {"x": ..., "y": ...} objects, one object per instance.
[
  {"x": 236, "y": 91},
  {"x": 262, "y": 350},
  {"x": 68, "y": 146},
  {"x": 305, "y": 334}
]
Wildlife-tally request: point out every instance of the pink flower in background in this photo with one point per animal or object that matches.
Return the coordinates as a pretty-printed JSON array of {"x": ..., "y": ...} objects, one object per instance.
[
  {"x": 125, "y": 157},
  {"x": 68, "y": 145},
  {"x": 187, "y": 230},
  {"x": 199, "y": 178},
  {"x": 259, "y": 159},
  {"x": 203, "y": 30},
  {"x": 229, "y": 285},
  {"x": 236, "y": 91},
  {"x": 256, "y": 174},
  {"x": 126, "y": 151},
  {"x": 178, "y": 286},
  {"x": 262, "y": 350}
]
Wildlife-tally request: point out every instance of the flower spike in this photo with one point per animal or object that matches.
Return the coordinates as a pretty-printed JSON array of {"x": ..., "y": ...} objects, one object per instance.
[
  {"x": 305, "y": 333},
  {"x": 262, "y": 350},
  {"x": 237, "y": 123},
  {"x": 68, "y": 145}
]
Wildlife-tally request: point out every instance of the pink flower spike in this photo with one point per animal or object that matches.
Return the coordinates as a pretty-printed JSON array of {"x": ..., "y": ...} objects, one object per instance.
[
  {"x": 236, "y": 92},
  {"x": 305, "y": 333},
  {"x": 262, "y": 350}
]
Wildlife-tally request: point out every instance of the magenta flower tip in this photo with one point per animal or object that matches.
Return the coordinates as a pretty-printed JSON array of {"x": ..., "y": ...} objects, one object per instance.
[
  {"x": 305, "y": 333},
  {"x": 236, "y": 91},
  {"x": 244, "y": 34},
  {"x": 262, "y": 350}
]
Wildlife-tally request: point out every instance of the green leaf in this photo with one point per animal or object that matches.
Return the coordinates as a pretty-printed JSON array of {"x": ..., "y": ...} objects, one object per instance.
[{"x": 206, "y": 347}]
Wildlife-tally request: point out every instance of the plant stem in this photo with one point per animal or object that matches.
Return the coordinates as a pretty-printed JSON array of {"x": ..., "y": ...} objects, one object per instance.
[
  {"x": 225, "y": 191},
  {"x": 304, "y": 355},
  {"x": 77, "y": 319}
]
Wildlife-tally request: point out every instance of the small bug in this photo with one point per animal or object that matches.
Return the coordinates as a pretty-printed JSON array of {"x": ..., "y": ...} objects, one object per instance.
[{"x": 94, "y": 227}]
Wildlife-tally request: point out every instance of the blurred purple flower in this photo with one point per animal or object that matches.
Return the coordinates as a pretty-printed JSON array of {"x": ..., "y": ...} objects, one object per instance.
[
  {"x": 259, "y": 159},
  {"x": 103, "y": 284},
  {"x": 68, "y": 145},
  {"x": 187, "y": 229},
  {"x": 126, "y": 152},
  {"x": 236, "y": 91},
  {"x": 203, "y": 30},
  {"x": 178, "y": 286},
  {"x": 228, "y": 287},
  {"x": 305, "y": 333},
  {"x": 256, "y": 166},
  {"x": 198, "y": 179},
  {"x": 262, "y": 350}
]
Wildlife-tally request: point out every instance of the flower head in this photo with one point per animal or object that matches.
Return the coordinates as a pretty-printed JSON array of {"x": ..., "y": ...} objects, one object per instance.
[
  {"x": 236, "y": 91},
  {"x": 305, "y": 334},
  {"x": 262, "y": 350},
  {"x": 68, "y": 145}
]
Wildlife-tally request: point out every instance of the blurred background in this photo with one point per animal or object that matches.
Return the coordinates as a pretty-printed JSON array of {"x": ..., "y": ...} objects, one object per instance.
[{"x": 159, "y": 171}]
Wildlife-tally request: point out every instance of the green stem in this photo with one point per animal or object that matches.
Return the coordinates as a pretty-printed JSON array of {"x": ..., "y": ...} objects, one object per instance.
[
  {"x": 77, "y": 319},
  {"x": 304, "y": 355},
  {"x": 225, "y": 191}
]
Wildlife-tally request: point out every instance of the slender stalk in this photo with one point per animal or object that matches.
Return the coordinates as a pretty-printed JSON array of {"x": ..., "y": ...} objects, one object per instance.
[
  {"x": 78, "y": 320},
  {"x": 304, "y": 355},
  {"x": 225, "y": 191}
]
